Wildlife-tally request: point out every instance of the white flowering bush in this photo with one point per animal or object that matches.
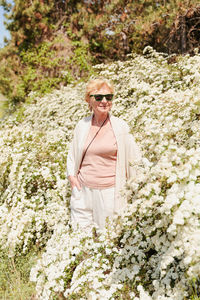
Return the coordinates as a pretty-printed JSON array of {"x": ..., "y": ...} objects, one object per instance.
[
  {"x": 33, "y": 186},
  {"x": 151, "y": 251}
]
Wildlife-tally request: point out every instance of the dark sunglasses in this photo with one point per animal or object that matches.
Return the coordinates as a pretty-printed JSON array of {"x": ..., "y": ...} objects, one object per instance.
[{"x": 99, "y": 97}]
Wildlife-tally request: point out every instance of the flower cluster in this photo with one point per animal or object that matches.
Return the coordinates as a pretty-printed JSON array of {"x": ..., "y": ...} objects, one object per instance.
[
  {"x": 151, "y": 251},
  {"x": 34, "y": 192}
]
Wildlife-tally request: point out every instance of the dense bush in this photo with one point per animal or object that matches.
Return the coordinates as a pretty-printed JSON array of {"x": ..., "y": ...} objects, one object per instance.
[{"x": 153, "y": 250}]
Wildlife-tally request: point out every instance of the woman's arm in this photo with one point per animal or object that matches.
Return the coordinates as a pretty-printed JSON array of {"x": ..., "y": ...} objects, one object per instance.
[
  {"x": 72, "y": 177},
  {"x": 71, "y": 161}
]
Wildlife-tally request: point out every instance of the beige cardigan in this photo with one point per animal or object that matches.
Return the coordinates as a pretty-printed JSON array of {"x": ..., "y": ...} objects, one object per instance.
[{"x": 127, "y": 151}]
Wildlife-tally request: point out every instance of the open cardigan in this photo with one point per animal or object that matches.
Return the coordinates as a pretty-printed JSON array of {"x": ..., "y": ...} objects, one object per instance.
[{"x": 128, "y": 154}]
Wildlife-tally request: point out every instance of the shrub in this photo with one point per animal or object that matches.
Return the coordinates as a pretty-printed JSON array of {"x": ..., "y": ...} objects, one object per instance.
[{"x": 152, "y": 250}]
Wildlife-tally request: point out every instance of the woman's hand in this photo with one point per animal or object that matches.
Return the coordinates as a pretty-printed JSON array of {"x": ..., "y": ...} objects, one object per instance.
[{"x": 74, "y": 182}]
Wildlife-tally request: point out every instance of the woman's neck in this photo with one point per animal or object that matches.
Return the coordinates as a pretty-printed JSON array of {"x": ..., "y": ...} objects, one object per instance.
[{"x": 99, "y": 119}]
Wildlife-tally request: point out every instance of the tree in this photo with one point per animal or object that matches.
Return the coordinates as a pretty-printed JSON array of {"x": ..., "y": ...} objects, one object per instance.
[{"x": 53, "y": 37}]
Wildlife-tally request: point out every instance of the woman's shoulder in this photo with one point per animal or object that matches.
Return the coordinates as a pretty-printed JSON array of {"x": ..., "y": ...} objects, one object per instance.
[
  {"x": 83, "y": 121},
  {"x": 83, "y": 124},
  {"x": 119, "y": 122}
]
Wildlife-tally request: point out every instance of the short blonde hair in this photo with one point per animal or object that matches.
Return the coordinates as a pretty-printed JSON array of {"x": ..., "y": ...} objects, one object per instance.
[{"x": 97, "y": 84}]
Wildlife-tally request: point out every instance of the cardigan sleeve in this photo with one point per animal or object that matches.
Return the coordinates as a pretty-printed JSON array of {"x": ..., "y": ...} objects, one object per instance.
[
  {"x": 76, "y": 147},
  {"x": 72, "y": 152},
  {"x": 70, "y": 161}
]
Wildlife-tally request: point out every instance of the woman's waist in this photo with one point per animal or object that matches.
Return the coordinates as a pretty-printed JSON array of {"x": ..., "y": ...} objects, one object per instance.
[{"x": 95, "y": 181}]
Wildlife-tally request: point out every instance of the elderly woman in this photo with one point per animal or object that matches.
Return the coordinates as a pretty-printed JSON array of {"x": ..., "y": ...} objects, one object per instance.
[{"x": 98, "y": 163}]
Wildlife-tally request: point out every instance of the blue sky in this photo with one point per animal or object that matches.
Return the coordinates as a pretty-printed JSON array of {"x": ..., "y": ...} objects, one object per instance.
[{"x": 3, "y": 31}]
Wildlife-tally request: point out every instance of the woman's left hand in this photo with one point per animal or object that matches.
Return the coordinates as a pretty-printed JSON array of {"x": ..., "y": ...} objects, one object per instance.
[{"x": 74, "y": 182}]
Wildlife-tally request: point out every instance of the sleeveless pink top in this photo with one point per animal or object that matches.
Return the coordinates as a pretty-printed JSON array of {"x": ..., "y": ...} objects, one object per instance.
[{"x": 99, "y": 164}]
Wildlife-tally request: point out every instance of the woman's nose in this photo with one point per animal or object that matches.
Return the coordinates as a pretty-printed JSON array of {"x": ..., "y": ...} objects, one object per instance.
[{"x": 104, "y": 99}]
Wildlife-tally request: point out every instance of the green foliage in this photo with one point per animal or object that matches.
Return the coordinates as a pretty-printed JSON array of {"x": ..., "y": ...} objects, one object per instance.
[
  {"x": 194, "y": 286},
  {"x": 14, "y": 276},
  {"x": 43, "y": 69}
]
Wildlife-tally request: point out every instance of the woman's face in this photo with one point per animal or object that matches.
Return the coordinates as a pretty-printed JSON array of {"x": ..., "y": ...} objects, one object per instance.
[{"x": 104, "y": 106}]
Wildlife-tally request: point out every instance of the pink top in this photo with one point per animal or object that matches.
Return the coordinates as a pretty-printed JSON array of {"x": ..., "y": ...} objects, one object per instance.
[{"x": 99, "y": 164}]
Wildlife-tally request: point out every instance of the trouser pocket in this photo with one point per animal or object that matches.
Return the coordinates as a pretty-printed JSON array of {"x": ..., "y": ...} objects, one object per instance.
[
  {"x": 76, "y": 198},
  {"x": 76, "y": 193}
]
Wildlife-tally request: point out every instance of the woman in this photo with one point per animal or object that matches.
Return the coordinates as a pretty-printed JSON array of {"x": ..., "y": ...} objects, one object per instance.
[{"x": 98, "y": 163}]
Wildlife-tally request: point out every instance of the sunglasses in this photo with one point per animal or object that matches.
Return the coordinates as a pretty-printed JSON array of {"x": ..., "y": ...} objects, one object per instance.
[{"x": 99, "y": 97}]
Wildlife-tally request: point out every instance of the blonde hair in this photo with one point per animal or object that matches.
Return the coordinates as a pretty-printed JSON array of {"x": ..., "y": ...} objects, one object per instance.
[{"x": 96, "y": 84}]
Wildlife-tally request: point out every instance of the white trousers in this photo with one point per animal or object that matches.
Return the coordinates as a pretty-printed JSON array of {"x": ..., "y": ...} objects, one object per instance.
[{"x": 91, "y": 206}]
